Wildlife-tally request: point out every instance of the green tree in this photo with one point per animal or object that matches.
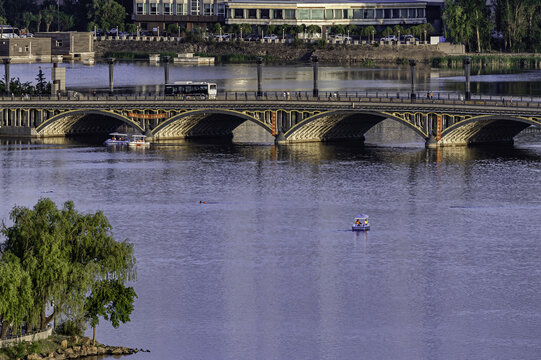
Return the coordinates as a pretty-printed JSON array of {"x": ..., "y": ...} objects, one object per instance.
[
  {"x": 387, "y": 31},
  {"x": 28, "y": 18},
  {"x": 369, "y": 31},
  {"x": 66, "y": 21},
  {"x": 338, "y": 29},
  {"x": 111, "y": 300},
  {"x": 172, "y": 29},
  {"x": 48, "y": 17},
  {"x": 65, "y": 254},
  {"x": 466, "y": 21},
  {"x": 313, "y": 29},
  {"x": 41, "y": 85},
  {"x": 106, "y": 14},
  {"x": 38, "y": 18},
  {"x": 352, "y": 29},
  {"x": 15, "y": 293}
]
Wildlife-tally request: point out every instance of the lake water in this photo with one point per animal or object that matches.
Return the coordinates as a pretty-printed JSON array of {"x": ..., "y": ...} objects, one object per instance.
[
  {"x": 269, "y": 269},
  {"x": 143, "y": 77}
]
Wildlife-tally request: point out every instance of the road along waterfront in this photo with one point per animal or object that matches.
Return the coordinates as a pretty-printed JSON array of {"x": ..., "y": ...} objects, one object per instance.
[{"x": 268, "y": 268}]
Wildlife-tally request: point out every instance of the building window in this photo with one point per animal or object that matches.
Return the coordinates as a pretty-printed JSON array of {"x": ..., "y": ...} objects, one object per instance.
[
  {"x": 180, "y": 9},
  {"x": 26, "y": 48},
  {"x": 194, "y": 7},
  {"x": 387, "y": 13},
  {"x": 379, "y": 13},
  {"x": 153, "y": 9},
  {"x": 368, "y": 13},
  {"x": 167, "y": 9},
  {"x": 338, "y": 14},
  {"x": 139, "y": 8},
  {"x": 303, "y": 14},
  {"x": 252, "y": 13},
  {"x": 58, "y": 43},
  {"x": 396, "y": 13},
  {"x": 329, "y": 14},
  {"x": 357, "y": 13},
  {"x": 239, "y": 13},
  {"x": 421, "y": 13},
  {"x": 207, "y": 9},
  {"x": 318, "y": 14},
  {"x": 264, "y": 14},
  {"x": 289, "y": 14},
  {"x": 277, "y": 14},
  {"x": 221, "y": 9}
]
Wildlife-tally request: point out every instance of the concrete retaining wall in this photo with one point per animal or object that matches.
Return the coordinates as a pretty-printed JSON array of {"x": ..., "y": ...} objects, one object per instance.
[{"x": 29, "y": 338}]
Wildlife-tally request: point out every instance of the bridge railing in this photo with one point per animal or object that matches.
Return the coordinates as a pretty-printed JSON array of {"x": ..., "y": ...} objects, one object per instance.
[{"x": 295, "y": 96}]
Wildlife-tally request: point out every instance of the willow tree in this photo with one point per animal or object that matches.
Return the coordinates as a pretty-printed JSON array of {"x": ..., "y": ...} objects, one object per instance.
[
  {"x": 16, "y": 300},
  {"x": 65, "y": 253}
]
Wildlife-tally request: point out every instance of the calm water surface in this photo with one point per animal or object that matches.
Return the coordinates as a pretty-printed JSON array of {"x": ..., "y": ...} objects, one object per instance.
[
  {"x": 143, "y": 77},
  {"x": 268, "y": 268}
]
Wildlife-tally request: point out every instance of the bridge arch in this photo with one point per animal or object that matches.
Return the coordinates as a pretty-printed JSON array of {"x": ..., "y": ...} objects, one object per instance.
[
  {"x": 64, "y": 122},
  {"x": 343, "y": 124},
  {"x": 486, "y": 129},
  {"x": 204, "y": 123}
]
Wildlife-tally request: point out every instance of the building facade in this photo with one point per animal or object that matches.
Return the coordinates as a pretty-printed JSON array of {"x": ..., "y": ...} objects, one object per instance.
[{"x": 158, "y": 14}]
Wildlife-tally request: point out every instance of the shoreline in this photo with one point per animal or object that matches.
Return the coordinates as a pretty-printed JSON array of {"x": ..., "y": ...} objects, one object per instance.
[{"x": 59, "y": 347}]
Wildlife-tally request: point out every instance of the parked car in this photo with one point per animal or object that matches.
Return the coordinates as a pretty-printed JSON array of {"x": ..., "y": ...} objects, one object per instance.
[
  {"x": 388, "y": 38},
  {"x": 342, "y": 37},
  {"x": 270, "y": 37},
  {"x": 252, "y": 37},
  {"x": 222, "y": 36},
  {"x": 408, "y": 38}
]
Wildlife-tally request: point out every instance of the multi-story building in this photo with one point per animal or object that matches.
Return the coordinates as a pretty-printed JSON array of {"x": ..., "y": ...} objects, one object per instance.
[{"x": 157, "y": 14}]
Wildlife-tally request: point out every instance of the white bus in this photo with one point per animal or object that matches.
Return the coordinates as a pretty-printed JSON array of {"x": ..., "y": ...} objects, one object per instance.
[{"x": 192, "y": 89}]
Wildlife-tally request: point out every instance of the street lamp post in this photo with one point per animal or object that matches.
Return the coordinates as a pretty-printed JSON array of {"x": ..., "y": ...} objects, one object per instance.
[
  {"x": 259, "y": 88},
  {"x": 413, "y": 96},
  {"x": 467, "y": 67},
  {"x": 315, "y": 60},
  {"x": 111, "y": 62},
  {"x": 7, "y": 61}
]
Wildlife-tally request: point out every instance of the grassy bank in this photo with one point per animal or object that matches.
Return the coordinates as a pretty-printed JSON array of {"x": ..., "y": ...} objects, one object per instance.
[
  {"x": 21, "y": 350},
  {"x": 526, "y": 61}
]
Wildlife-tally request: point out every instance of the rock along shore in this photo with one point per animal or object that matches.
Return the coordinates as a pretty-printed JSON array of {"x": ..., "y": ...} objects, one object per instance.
[
  {"x": 82, "y": 347},
  {"x": 276, "y": 52}
]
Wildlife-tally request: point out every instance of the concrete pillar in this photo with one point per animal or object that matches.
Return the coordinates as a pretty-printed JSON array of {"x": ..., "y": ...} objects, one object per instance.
[
  {"x": 111, "y": 62},
  {"x": 467, "y": 68},
  {"x": 413, "y": 96},
  {"x": 315, "y": 60},
  {"x": 7, "y": 61},
  {"x": 166, "y": 68},
  {"x": 259, "y": 89}
]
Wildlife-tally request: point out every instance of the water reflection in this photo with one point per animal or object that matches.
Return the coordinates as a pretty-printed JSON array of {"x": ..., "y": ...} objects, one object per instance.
[{"x": 144, "y": 78}]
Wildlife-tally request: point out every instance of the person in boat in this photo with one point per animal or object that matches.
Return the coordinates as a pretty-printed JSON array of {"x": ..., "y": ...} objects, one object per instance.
[{"x": 357, "y": 222}]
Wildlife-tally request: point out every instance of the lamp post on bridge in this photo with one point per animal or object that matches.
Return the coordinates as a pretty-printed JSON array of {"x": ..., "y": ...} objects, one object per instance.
[
  {"x": 111, "y": 62},
  {"x": 7, "y": 61},
  {"x": 413, "y": 96},
  {"x": 166, "y": 68},
  {"x": 467, "y": 67},
  {"x": 259, "y": 89},
  {"x": 315, "y": 60}
]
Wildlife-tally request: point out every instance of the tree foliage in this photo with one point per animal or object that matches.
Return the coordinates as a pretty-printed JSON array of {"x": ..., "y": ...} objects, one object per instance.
[
  {"x": 105, "y": 14},
  {"x": 65, "y": 254}
]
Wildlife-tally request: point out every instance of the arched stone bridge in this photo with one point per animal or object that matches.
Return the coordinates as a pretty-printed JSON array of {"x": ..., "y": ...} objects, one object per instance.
[{"x": 299, "y": 119}]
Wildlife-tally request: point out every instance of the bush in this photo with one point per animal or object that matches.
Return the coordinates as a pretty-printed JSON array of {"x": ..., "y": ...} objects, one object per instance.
[{"x": 71, "y": 328}]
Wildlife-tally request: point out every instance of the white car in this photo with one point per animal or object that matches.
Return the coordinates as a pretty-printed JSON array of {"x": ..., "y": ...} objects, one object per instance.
[
  {"x": 270, "y": 37},
  {"x": 389, "y": 38}
]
